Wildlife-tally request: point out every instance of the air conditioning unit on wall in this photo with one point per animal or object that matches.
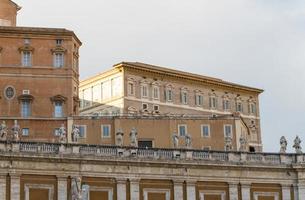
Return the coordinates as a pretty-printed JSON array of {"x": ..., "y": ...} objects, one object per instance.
[{"x": 25, "y": 91}]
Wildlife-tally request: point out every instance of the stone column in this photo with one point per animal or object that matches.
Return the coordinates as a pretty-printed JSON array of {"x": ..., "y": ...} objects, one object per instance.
[
  {"x": 3, "y": 186},
  {"x": 233, "y": 191},
  {"x": 300, "y": 191},
  {"x": 245, "y": 191},
  {"x": 178, "y": 189},
  {"x": 15, "y": 186},
  {"x": 134, "y": 189},
  {"x": 191, "y": 190},
  {"x": 62, "y": 188},
  {"x": 121, "y": 189},
  {"x": 286, "y": 193}
]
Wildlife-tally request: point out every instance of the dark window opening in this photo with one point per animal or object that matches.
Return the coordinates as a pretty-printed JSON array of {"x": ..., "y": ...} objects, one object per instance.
[
  {"x": 145, "y": 144},
  {"x": 252, "y": 149}
]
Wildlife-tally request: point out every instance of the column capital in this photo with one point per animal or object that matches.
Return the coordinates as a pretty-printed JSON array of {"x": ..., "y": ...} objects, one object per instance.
[
  {"x": 191, "y": 182},
  {"x": 121, "y": 180},
  {"x": 178, "y": 181}
]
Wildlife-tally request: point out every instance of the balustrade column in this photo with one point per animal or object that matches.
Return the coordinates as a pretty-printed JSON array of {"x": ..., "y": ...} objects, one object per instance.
[
  {"x": 233, "y": 191},
  {"x": 245, "y": 191},
  {"x": 62, "y": 191},
  {"x": 121, "y": 189},
  {"x": 178, "y": 189},
  {"x": 134, "y": 189},
  {"x": 2, "y": 186},
  {"x": 15, "y": 186},
  {"x": 191, "y": 190}
]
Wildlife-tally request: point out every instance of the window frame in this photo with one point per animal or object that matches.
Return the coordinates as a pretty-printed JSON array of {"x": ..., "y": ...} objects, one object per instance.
[
  {"x": 26, "y": 62},
  {"x": 28, "y": 131},
  {"x": 102, "y": 131},
  {"x": 29, "y": 109},
  {"x": 144, "y": 86},
  {"x": 184, "y": 97},
  {"x": 213, "y": 102},
  {"x": 224, "y": 130},
  {"x": 179, "y": 133},
  {"x": 62, "y": 109},
  {"x": 130, "y": 88},
  {"x": 85, "y": 131},
  {"x": 156, "y": 90},
  {"x": 169, "y": 93},
  {"x": 58, "y": 63},
  {"x": 202, "y": 132}
]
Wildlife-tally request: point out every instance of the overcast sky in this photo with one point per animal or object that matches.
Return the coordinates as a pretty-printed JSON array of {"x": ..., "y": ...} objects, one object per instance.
[{"x": 258, "y": 43}]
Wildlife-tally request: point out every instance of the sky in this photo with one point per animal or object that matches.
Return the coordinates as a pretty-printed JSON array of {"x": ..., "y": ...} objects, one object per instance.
[{"x": 258, "y": 43}]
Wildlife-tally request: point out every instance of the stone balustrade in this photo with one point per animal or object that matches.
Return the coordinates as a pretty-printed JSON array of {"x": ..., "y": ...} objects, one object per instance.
[{"x": 150, "y": 153}]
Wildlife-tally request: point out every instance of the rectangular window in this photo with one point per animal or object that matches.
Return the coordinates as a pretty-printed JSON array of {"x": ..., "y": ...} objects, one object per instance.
[
  {"x": 184, "y": 97},
  {"x": 228, "y": 130},
  {"x": 58, "y": 60},
  {"x": 252, "y": 108},
  {"x": 58, "y": 111},
  {"x": 156, "y": 93},
  {"x": 145, "y": 144},
  {"x": 25, "y": 108},
  {"x": 198, "y": 100},
  {"x": 156, "y": 107},
  {"x": 144, "y": 91},
  {"x": 205, "y": 130},
  {"x": 105, "y": 131},
  {"x": 26, "y": 59},
  {"x": 169, "y": 95},
  {"x": 213, "y": 102},
  {"x": 182, "y": 129},
  {"x": 130, "y": 89},
  {"x": 82, "y": 131},
  {"x": 207, "y": 148},
  {"x": 144, "y": 106},
  {"x": 25, "y": 132},
  {"x": 59, "y": 42},
  {"x": 239, "y": 107},
  {"x": 226, "y": 105}
]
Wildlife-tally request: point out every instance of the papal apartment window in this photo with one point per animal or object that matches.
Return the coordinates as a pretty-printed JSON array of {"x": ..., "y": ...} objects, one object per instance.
[
  {"x": 131, "y": 89},
  {"x": 106, "y": 131},
  {"x": 228, "y": 130},
  {"x": 213, "y": 102},
  {"x": 58, "y": 60},
  {"x": 156, "y": 93},
  {"x": 205, "y": 130},
  {"x": 59, "y": 42},
  {"x": 145, "y": 143},
  {"x": 226, "y": 105},
  {"x": 26, "y": 58},
  {"x": 82, "y": 131},
  {"x": 58, "y": 109},
  {"x": 182, "y": 129},
  {"x": 184, "y": 97},
  {"x": 169, "y": 95},
  {"x": 25, "y": 108},
  {"x": 239, "y": 107},
  {"x": 252, "y": 108},
  {"x": 198, "y": 100},
  {"x": 144, "y": 91},
  {"x": 25, "y": 132}
]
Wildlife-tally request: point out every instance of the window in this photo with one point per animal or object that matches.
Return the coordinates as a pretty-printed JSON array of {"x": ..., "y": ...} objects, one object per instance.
[
  {"x": 58, "y": 60},
  {"x": 239, "y": 107},
  {"x": 252, "y": 108},
  {"x": 156, "y": 107},
  {"x": 25, "y": 132},
  {"x": 59, "y": 42},
  {"x": 184, "y": 97},
  {"x": 106, "y": 131},
  {"x": 106, "y": 90},
  {"x": 131, "y": 89},
  {"x": 27, "y": 41},
  {"x": 144, "y": 106},
  {"x": 182, "y": 128},
  {"x": 205, "y": 130},
  {"x": 169, "y": 95},
  {"x": 82, "y": 131},
  {"x": 207, "y": 148},
  {"x": 144, "y": 91},
  {"x": 58, "y": 110},
  {"x": 25, "y": 108},
  {"x": 226, "y": 105},
  {"x": 156, "y": 93},
  {"x": 116, "y": 86},
  {"x": 56, "y": 132},
  {"x": 26, "y": 59},
  {"x": 145, "y": 144},
  {"x": 213, "y": 102},
  {"x": 228, "y": 130},
  {"x": 198, "y": 100}
]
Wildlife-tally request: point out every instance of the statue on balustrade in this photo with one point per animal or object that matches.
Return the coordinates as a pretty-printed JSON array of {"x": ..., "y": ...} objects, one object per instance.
[
  {"x": 175, "y": 140},
  {"x": 283, "y": 143},
  {"x": 3, "y": 131},
  {"x": 228, "y": 144},
  {"x": 188, "y": 141},
  {"x": 75, "y": 133},
  {"x": 133, "y": 137},
  {"x": 16, "y": 130},
  {"x": 62, "y": 134},
  {"x": 297, "y": 145},
  {"x": 79, "y": 191},
  {"x": 119, "y": 138},
  {"x": 243, "y": 143}
]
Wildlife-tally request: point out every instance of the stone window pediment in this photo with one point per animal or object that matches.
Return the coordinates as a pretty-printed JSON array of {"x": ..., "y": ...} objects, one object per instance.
[
  {"x": 58, "y": 49},
  {"x": 26, "y": 97},
  {"x": 58, "y": 98},
  {"x": 156, "y": 83},
  {"x": 26, "y": 48}
]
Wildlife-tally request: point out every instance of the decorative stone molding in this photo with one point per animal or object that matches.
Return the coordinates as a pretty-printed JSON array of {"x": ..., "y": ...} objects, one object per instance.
[
  {"x": 102, "y": 189},
  {"x": 59, "y": 49},
  {"x": 24, "y": 97},
  {"x": 275, "y": 195},
  {"x": 27, "y": 188},
  {"x": 202, "y": 194},
  {"x": 146, "y": 191},
  {"x": 58, "y": 98},
  {"x": 26, "y": 48}
]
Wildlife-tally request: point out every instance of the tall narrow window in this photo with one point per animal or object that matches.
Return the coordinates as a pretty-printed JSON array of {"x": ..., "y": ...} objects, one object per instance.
[
  {"x": 58, "y": 59},
  {"x": 228, "y": 130},
  {"x": 239, "y": 107},
  {"x": 226, "y": 105},
  {"x": 213, "y": 102},
  {"x": 144, "y": 91},
  {"x": 184, "y": 99},
  {"x": 252, "y": 108},
  {"x": 58, "y": 109},
  {"x": 198, "y": 100},
  {"x": 156, "y": 93},
  {"x": 26, "y": 108},
  {"x": 130, "y": 89},
  {"x": 182, "y": 128},
  {"x": 205, "y": 130},
  {"x": 169, "y": 95},
  {"x": 106, "y": 131},
  {"x": 26, "y": 58},
  {"x": 59, "y": 42}
]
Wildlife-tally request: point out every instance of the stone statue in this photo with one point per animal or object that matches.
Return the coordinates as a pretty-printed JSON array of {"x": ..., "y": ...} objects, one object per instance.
[
  {"x": 283, "y": 143},
  {"x": 133, "y": 137},
  {"x": 16, "y": 130},
  {"x": 297, "y": 145},
  {"x": 75, "y": 133},
  {"x": 3, "y": 131},
  {"x": 243, "y": 143},
  {"x": 228, "y": 144},
  {"x": 188, "y": 141},
  {"x": 62, "y": 134},
  {"x": 119, "y": 138},
  {"x": 175, "y": 140},
  {"x": 76, "y": 190}
]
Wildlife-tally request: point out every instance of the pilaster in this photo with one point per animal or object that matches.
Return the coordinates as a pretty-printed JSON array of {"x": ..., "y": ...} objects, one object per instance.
[
  {"x": 245, "y": 191},
  {"x": 121, "y": 188},
  {"x": 3, "y": 186},
  {"x": 134, "y": 189},
  {"x": 191, "y": 190},
  {"x": 15, "y": 186},
  {"x": 62, "y": 191},
  {"x": 286, "y": 193},
  {"x": 178, "y": 189},
  {"x": 233, "y": 191}
]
